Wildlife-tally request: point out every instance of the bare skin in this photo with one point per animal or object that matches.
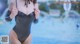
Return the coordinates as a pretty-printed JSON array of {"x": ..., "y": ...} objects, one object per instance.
[{"x": 14, "y": 38}]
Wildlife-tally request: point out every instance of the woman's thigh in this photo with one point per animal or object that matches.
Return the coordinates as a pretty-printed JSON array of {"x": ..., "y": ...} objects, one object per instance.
[
  {"x": 28, "y": 40},
  {"x": 13, "y": 38}
]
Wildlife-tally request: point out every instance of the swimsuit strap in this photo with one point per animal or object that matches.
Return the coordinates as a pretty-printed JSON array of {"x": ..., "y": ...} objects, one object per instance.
[{"x": 16, "y": 4}]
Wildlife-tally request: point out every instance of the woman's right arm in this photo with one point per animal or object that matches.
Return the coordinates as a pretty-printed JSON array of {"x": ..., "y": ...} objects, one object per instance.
[{"x": 13, "y": 8}]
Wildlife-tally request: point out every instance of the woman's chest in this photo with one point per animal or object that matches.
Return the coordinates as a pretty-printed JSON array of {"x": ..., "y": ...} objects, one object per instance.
[{"x": 21, "y": 4}]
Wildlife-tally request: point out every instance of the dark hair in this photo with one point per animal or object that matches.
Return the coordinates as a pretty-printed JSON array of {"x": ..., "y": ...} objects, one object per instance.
[
  {"x": 34, "y": 1},
  {"x": 28, "y": 1}
]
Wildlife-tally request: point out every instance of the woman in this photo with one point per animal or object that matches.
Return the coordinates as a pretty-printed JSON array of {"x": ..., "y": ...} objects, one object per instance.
[{"x": 23, "y": 11}]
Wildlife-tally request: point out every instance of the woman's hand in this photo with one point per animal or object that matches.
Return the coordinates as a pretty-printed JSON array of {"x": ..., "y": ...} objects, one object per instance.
[
  {"x": 13, "y": 13},
  {"x": 36, "y": 10}
]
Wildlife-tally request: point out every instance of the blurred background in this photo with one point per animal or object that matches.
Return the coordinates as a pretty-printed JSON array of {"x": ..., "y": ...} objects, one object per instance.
[{"x": 53, "y": 26}]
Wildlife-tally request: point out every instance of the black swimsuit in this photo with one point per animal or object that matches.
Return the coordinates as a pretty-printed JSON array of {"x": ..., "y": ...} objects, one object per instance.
[{"x": 23, "y": 25}]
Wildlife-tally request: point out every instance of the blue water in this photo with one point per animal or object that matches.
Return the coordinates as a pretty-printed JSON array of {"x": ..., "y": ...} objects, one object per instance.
[
  {"x": 54, "y": 31},
  {"x": 50, "y": 30}
]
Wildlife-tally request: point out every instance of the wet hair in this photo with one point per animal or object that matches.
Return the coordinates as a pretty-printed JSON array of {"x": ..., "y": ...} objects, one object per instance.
[{"x": 28, "y": 2}]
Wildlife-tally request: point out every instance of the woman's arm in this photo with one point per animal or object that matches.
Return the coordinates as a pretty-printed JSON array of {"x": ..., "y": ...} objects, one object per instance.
[
  {"x": 37, "y": 11},
  {"x": 13, "y": 9}
]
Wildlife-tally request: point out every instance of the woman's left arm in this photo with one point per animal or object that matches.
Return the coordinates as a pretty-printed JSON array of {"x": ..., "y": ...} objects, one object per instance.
[{"x": 36, "y": 10}]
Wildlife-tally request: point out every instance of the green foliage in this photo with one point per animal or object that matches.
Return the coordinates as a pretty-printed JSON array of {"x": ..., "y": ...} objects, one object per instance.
[
  {"x": 44, "y": 7},
  {"x": 78, "y": 7},
  {"x": 53, "y": 6}
]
